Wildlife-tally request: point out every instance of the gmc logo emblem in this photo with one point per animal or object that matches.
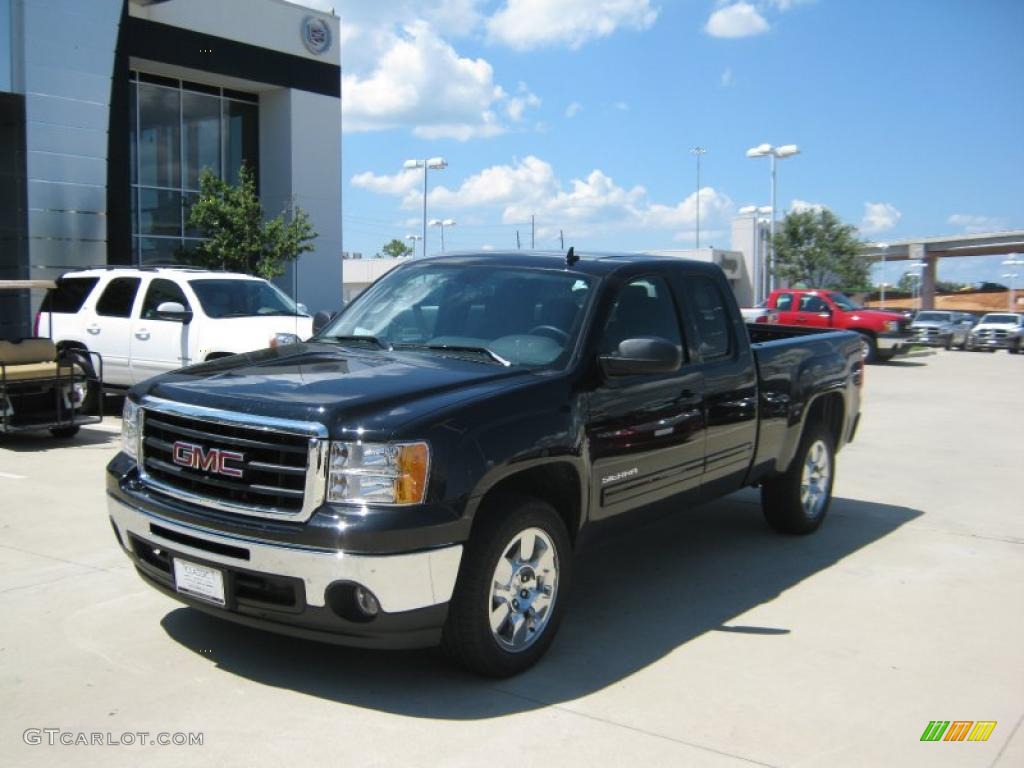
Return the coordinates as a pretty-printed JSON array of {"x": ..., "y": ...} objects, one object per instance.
[{"x": 207, "y": 459}]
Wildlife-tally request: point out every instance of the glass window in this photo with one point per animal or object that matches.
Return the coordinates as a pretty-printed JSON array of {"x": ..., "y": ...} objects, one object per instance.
[
  {"x": 784, "y": 302},
  {"x": 158, "y": 250},
  {"x": 643, "y": 308},
  {"x": 159, "y": 136},
  {"x": 200, "y": 125},
  {"x": 118, "y": 297},
  {"x": 159, "y": 291},
  {"x": 811, "y": 303},
  {"x": 161, "y": 212},
  {"x": 711, "y": 316},
  {"x": 69, "y": 296},
  {"x": 526, "y": 316},
  {"x": 241, "y": 298},
  {"x": 241, "y": 138}
]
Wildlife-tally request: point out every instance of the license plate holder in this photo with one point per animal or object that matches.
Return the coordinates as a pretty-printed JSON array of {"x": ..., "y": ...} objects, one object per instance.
[{"x": 199, "y": 581}]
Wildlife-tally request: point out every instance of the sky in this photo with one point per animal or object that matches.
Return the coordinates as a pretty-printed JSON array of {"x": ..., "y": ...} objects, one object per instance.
[{"x": 582, "y": 114}]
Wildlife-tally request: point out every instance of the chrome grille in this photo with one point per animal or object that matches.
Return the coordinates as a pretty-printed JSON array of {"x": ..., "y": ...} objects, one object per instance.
[{"x": 275, "y": 468}]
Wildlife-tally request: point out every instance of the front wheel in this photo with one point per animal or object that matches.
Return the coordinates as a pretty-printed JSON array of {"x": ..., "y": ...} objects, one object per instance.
[
  {"x": 798, "y": 501},
  {"x": 511, "y": 591},
  {"x": 868, "y": 347}
]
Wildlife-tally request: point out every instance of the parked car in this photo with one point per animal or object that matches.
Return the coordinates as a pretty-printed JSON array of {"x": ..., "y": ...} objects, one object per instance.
[
  {"x": 42, "y": 388},
  {"x": 883, "y": 335},
  {"x": 149, "y": 321},
  {"x": 938, "y": 328},
  {"x": 422, "y": 470},
  {"x": 998, "y": 330}
]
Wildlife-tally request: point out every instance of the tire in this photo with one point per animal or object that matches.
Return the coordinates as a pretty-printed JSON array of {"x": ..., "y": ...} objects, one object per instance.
[
  {"x": 493, "y": 559},
  {"x": 948, "y": 345},
  {"x": 63, "y": 433},
  {"x": 1015, "y": 349},
  {"x": 885, "y": 355},
  {"x": 782, "y": 498},
  {"x": 868, "y": 347},
  {"x": 94, "y": 389}
]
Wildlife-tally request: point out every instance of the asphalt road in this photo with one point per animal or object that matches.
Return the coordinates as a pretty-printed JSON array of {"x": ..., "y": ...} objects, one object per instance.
[{"x": 700, "y": 640}]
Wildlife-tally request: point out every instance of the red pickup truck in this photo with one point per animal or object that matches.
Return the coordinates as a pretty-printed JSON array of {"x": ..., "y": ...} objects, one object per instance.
[{"x": 883, "y": 334}]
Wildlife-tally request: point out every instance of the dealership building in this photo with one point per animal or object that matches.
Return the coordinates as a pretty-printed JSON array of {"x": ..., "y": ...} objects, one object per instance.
[{"x": 110, "y": 109}]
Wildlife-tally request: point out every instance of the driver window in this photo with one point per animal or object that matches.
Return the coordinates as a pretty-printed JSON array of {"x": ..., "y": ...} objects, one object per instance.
[
  {"x": 643, "y": 307},
  {"x": 160, "y": 291},
  {"x": 809, "y": 303}
]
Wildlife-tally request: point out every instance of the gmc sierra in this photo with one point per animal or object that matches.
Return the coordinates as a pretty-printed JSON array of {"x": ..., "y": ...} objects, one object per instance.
[{"x": 422, "y": 471}]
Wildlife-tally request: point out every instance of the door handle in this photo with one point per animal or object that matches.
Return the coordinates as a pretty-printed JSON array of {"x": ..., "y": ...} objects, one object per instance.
[
  {"x": 142, "y": 334},
  {"x": 93, "y": 329},
  {"x": 801, "y": 319}
]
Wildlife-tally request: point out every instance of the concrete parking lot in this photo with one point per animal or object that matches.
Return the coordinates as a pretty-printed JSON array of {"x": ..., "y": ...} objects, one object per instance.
[{"x": 700, "y": 640}]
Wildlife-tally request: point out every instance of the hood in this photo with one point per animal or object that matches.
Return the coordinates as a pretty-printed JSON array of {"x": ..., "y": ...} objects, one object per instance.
[
  {"x": 995, "y": 326},
  {"x": 931, "y": 324},
  {"x": 341, "y": 387}
]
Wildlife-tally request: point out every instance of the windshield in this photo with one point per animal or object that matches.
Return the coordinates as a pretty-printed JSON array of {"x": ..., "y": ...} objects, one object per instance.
[
  {"x": 843, "y": 301},
  {"x": 932, "y": 317},
  {"x": 526, "y": 317},
  {"x": 242, "y": 298},
  {"x": 1000, "y": 319}
]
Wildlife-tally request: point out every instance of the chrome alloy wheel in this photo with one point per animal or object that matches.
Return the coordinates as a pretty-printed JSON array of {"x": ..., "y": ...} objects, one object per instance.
[
  {"x": 814, "y": 481},
  {"x": 524, "y": 589}
]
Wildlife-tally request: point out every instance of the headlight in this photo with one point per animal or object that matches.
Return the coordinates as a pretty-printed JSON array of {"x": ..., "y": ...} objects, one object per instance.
[
  {"x": 130, "y": 428},
  {"x": 378, "y": 473},
  {"x": 280, "y": 339},
  {"x": 892, "y": 326}
]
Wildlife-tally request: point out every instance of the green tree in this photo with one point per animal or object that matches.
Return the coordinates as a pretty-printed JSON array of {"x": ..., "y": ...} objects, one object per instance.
[
  {"x": 396, "y": 249},
  {"x": 237, "y": 235},
  {"x": 816, "y": 249}
]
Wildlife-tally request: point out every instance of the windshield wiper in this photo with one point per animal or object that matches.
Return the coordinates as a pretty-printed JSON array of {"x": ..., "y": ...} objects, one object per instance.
[
  {"x": 460, "y": 348},
  {"x": 369, "y": 339}
]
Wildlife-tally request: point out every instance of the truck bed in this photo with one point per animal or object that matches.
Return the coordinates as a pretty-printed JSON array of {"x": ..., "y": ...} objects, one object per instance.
[{"x": 791, "y": 362}]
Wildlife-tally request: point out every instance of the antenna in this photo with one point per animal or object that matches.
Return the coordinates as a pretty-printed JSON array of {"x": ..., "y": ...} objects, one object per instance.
[{"x": 571, "y": 257}]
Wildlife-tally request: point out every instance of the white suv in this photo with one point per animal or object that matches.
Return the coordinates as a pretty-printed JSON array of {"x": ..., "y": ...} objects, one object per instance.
[{"x": 147, "y": 321}]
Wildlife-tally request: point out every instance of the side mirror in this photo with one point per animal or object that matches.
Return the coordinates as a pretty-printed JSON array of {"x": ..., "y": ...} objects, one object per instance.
[
  {"x": 174, "y": 311},
  {"x": 646, "y": 355},
  {"x": 320, "y": 319}
]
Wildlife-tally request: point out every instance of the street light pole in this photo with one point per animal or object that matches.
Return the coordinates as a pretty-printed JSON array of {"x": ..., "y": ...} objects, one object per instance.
[
  {"x": 698, "y": 151},
  {"x": 775, "y": 153},
  {"x": 414, "y": 238},
  {"x": 442, "y": 223},
  {"x": 437, "y": 164}
]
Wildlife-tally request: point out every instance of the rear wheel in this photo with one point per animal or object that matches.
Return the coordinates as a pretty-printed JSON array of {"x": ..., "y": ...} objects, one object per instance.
[
  {"x": 797, "y": 501},
  {"x": 510, "y": 596},
  {"x": 63, "y": 433}
]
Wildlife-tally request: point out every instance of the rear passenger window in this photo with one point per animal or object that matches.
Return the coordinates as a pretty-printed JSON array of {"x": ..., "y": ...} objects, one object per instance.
[
  {"x": 711, "y": 316},
  {"x": 159, "y": 291},
  {"x": 644, "y": 307},
  {"x": 69, "y": 296},
  {"x": 784, "y": 302},
  {"x": 118, "y": 297}
]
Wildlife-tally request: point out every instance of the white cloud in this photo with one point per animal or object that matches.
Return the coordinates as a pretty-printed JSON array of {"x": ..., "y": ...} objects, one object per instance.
[
  {"x": 621, "y": 106},
  {"x": 517, "y": 105},
  {"x": 737, "y": 20},
  {"x": 879, "y": 217},
  {"x": 526, "y": 24},
  {"x": 973, "y": 223},
  {"x": 799, "y": 206},
  {"x": 573, "y": 109},
  {"x": 422, "y": 82},
  {"x": 726, "y": 79},
  {"x": 585, "y": 206},
  {"x": 787, "y": 5}
]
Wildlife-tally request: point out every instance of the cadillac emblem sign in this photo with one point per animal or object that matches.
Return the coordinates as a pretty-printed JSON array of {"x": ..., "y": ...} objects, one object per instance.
[{"x": 316, "y": 35}]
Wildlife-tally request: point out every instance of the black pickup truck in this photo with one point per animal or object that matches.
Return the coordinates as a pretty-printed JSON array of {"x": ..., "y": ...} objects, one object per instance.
[{"x": 422, "y": 471}]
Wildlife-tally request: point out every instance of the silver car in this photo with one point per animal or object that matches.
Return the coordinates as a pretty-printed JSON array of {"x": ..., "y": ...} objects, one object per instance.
[{"x": 938, "y": 328}]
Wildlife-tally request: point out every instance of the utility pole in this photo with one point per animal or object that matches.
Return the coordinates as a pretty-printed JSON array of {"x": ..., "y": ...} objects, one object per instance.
[
  {"x": 533, "y": 232},
  {"x": 518, "y": 246},
  {"x": 561, "y": 239}
]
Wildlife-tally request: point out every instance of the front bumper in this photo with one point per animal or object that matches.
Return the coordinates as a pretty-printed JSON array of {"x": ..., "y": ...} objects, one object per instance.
[
  {"x": 932, "y": 339},
  {"x": 292, "y": 589},
  {"x": 993, "y": 342},
  {"x": 896, "y": 343}
]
